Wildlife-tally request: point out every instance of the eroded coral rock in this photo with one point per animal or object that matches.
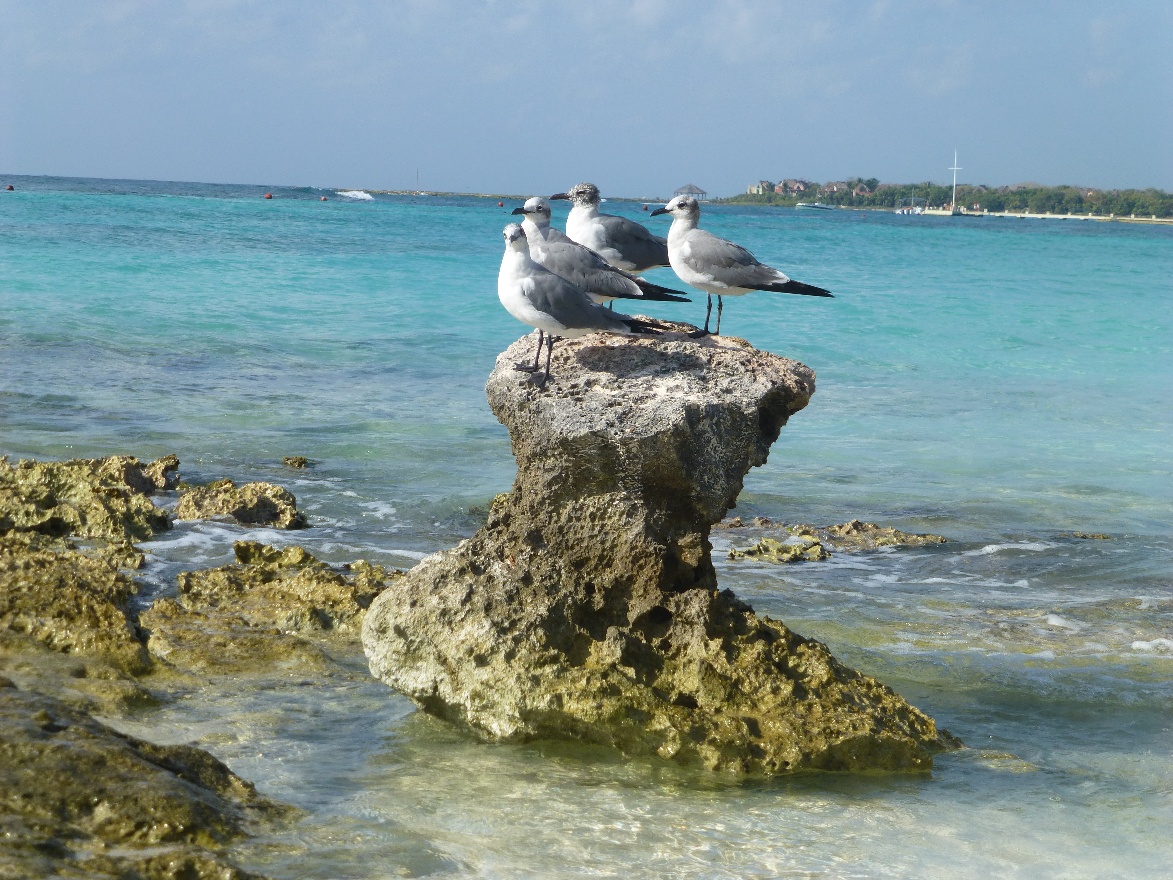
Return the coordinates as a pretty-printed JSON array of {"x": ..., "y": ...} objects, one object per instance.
[
  {"x": 71, "y": 602},
  {"x": 91, "y": 498},
  {"x": 798, "y": 549},
  {"x": 251, "y": 615},
  {"x": 251, "y": 504},
  {"x": 587, "y": 607},
  {"x": 807, "y": 543}
]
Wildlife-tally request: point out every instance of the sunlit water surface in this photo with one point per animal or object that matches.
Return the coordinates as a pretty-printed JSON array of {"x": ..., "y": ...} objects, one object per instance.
[{"x": 1005, "y": 383}]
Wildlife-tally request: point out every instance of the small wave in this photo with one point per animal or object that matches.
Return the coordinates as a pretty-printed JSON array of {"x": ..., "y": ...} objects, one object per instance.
[
  {"x": 1156, "y": 645},
  {"x": 1063, "y": 622},
  {"x": 1034, "y": 546},
  {"x": 356, "y": 194},
  {"x": 378, "y": 509}
]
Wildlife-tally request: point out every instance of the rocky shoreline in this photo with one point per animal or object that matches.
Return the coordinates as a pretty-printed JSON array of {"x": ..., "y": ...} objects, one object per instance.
[
  {"x": 83, "y": 800},
  {"x": 587, "y": 608}
]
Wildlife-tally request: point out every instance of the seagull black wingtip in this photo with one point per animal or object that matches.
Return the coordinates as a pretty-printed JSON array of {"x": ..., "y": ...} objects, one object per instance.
[{"x": 800, "y": 288}]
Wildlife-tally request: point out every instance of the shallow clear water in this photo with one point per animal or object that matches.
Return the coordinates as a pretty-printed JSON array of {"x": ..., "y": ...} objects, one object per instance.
[{"x": 1001, "y": 382}]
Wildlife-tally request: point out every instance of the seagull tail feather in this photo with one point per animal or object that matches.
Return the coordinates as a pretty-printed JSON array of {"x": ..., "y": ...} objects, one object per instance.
[
  {"x": 797, "y": 287},
  {"x": 660, "y": 294},
  {"x": 644, "y": 327}
]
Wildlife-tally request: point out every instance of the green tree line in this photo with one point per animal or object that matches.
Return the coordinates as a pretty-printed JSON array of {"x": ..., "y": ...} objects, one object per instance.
[{"x": 1033, "y": 199}]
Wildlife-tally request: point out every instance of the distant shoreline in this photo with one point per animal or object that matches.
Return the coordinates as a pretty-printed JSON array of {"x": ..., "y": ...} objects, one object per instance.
[
  {"x": 1022, "y": 215},
  {"x": 930, "y": 212}
]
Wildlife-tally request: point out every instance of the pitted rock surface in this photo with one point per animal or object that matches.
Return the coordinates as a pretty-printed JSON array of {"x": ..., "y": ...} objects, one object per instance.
[
  {"x": 588, "y": 608},
  {"x": 251, "y": 504}
]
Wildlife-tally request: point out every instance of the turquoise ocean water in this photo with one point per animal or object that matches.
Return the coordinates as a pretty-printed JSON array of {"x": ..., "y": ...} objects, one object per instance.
[{"x": 1002, "y": 382}]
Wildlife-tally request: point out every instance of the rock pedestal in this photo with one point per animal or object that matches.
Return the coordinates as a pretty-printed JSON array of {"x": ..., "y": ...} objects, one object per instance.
[{"x": 588, "y": 608}]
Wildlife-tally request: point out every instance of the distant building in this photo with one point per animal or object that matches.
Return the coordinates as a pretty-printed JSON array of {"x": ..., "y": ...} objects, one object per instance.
[
  {"x": 792, "y": 186},
  {"x": 836, "y": 186},
  {"x": 691, "y": 189},
  {"x": 861, "y": 190},
  {"x": 761, "y": 188}
]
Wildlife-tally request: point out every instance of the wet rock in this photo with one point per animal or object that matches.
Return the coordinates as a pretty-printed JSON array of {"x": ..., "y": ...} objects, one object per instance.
[
  {"x": 81, "y": 798},
  {"x": 297, "y": 462},
  {"x": 249, "y": 615},
  {"x": 807, "y": 543},
  {"x": 251, "y": 504},
  {"x": 93, "y": 498},
  {"x": 588, "y": 608},
  {"x": 799, "y": 549},
  {"x": 83, "y": 682},
  {"x": 70, "y": 602},
  {"x": 856, "y": 535},
  {"x": 1091, "y": 536}
]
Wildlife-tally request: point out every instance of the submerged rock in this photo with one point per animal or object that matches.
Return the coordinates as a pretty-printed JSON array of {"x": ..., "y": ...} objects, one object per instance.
[
  {"x": 260, "y": 504},
  {"x": 588, "y": 608},
  {"x": 90, "y": 498},
  {"x": 75, "y": 788}
]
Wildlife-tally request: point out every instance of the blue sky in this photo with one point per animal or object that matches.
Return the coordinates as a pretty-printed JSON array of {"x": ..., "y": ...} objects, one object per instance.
[{"x": 639, "y": 96}]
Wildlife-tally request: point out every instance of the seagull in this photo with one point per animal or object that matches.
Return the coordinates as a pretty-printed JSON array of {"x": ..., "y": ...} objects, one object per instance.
[
  {"x": 623, "y": 243},
  {"x": 580, "y": 265},
  {"x": 537, "y": 219},
  {"x": 537, "y": 297},
  {"x": 717, "y": 266}
]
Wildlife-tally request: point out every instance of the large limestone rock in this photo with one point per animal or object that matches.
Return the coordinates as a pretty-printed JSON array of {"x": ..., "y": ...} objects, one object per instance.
[{"x": 588, "y": 607}]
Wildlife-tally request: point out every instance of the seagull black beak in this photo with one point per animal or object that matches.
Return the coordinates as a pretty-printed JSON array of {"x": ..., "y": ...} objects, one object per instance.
[
  {"x": 566, "y": 196},
  {"x": 665, "y": 210},
  {"x": 522, "y": 210}
]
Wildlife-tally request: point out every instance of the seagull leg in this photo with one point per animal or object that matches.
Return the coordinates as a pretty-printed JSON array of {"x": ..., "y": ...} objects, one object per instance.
[
  {"x": 721, "y": 306},
  {"x": 525, "y": 367},
  {"x": 709, "y": 310},
  {"x": 549, "y": 351}
]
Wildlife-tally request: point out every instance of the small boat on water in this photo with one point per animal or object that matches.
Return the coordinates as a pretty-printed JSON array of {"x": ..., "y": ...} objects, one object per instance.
[{"x": 818, "y": 205}]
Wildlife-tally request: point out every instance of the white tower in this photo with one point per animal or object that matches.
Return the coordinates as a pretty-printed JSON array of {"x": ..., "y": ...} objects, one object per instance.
[{"x": 955, "y": 169}]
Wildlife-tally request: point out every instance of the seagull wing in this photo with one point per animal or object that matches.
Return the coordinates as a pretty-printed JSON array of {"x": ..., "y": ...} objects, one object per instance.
[
  {"x": 732, "y": 266},
  {"x": 570, "y": 305},
  {"x": 635, "y": 242}
]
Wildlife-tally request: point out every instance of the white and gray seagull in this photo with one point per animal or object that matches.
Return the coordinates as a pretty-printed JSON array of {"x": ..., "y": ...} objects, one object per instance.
[
  {"x": 580, "y": 265},
  {"x": 537, "y": 297},
  {"x": 717, "y": 266},
  {"x": 623, "y": 243}
]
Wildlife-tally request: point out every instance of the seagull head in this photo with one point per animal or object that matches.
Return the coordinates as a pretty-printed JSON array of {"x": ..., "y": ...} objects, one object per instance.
[
  {"x": 537, "y": 209},
  {"x": 514, "y": 238},
  {"x": 680, "y": 206},
  {"x": 580, "y": 194}
]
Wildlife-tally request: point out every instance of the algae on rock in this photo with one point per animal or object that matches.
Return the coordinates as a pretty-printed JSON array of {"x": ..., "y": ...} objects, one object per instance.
[{"x": 587, "y": 607}]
